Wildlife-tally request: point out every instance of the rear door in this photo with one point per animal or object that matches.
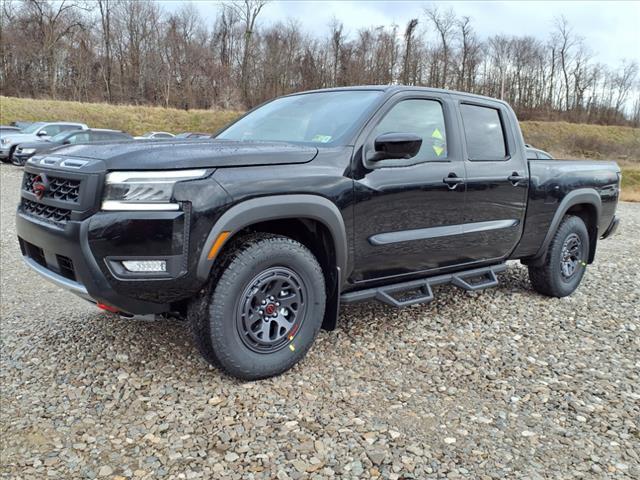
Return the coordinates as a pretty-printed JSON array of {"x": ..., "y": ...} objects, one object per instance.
[{"x": 497, "y": 179}]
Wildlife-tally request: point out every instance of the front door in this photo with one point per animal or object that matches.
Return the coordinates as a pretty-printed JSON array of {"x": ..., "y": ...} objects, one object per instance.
[{"x": 408, "y": 212}]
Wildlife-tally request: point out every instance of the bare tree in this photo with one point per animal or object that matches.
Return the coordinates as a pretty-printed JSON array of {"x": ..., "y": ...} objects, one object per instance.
[
  {"x": 105, "y": 7},
  {"x": 408, "y": 41},
  {"x": 567, "y": 41},
  {"x": 444, "y": 22},
  {"x": 248, "y": 11}
]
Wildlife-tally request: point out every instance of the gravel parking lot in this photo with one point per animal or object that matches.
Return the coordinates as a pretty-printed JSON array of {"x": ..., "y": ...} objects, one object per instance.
[{"x": 499, "y": 384}]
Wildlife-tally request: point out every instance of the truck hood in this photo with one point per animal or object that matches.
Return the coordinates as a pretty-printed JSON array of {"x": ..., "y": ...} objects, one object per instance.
[
  {"x": 39, "y": 146},
  {"x": 173, "y": 154},
  {"x": 13, "y": 138}
]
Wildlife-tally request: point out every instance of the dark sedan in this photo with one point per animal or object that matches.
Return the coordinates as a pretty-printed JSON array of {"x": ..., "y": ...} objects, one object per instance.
[{"x": 25, "y": 151}]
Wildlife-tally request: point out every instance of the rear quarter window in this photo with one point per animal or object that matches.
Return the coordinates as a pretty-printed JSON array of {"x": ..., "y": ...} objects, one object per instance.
[{"x": 484, "y": 133}]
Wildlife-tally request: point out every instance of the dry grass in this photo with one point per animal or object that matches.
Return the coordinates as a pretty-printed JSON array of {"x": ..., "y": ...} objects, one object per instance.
[
  {"x": 598, "y": 142},
  {"x": 630, "y": 182},
  {"x": 562, "y": 139},
  {"x": 573, "y": 140},
  {"x": 129, "y": 118}
]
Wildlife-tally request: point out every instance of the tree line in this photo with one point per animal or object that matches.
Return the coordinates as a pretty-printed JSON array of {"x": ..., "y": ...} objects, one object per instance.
[{"x": 137, "y": 52}]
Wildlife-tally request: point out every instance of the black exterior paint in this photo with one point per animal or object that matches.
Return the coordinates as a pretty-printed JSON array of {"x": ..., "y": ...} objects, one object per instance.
[{"x": 372, "y": 198}]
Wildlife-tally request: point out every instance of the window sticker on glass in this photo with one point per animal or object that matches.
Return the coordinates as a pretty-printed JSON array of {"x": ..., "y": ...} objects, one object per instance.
[
  {"x": 321, "y": 138},
  {"x": 438, "y": 142}
]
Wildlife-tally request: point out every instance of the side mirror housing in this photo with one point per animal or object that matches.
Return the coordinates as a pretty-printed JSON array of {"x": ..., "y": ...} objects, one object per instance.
[
  {"x": 396, "y": 146},
  {"x": 42, "y": 133},
  {"x": 66, "y": 142}
]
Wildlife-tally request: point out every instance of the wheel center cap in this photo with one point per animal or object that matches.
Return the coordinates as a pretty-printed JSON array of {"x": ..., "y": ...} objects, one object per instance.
[{"x": 270, "y": 309}]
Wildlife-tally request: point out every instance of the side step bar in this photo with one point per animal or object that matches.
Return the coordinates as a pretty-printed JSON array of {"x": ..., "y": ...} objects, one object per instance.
[{"x": 472, "y": 280}]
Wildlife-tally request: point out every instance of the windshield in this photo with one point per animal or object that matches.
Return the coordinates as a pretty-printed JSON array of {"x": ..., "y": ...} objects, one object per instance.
[
  {"x": 32, "y": 128},
  {"x": 322, "y": 117}
]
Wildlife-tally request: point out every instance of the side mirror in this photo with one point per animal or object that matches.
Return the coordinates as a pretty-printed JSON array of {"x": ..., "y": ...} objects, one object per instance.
[
  {"x": 67, "y": 142},
  {"x": 42, "y": 133},
  {"x": 396, "y": 146}
]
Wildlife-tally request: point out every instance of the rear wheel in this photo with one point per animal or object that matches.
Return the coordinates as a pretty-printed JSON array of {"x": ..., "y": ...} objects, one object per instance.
[
  {"x": 264, "y": 308},
  {"x": 565, "y": 260}
]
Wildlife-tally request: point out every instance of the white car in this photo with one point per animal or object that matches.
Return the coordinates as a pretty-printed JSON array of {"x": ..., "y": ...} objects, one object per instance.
[
  {"x": 154, "y": 136},
  {"x": 39, "y": 131}
]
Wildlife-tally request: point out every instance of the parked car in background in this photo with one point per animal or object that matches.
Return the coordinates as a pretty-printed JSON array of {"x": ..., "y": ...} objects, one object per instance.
[
  {"x": 39, "y": 131},
  {"x": 7, "y": 129},
  {"x": 25, "y": 151},
  {"x": 154, "y": 136},
  {"x": 193, "y": 135},
  {"x": 537, "y": 154}
]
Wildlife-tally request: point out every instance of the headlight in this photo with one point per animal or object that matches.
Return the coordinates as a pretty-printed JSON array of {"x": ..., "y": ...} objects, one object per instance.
[
  {"x": 28, "y": 151},
  {"x": 144, "y": 190},
  {"x": 5, "y": 141}
]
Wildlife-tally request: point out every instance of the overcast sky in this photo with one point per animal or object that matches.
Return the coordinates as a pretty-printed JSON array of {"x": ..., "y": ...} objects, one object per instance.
[{"x": 610, "y": 28}]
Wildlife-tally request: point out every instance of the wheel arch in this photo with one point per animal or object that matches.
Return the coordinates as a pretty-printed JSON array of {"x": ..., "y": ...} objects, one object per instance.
[
  {"x": 312, "y": 220},
  {"x": 584, "y": 203}
]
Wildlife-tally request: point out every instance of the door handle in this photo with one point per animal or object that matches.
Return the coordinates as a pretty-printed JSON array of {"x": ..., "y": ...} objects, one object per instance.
[
  {"x": 452, "y": 180},
  {"x": 515, "y": 178}
]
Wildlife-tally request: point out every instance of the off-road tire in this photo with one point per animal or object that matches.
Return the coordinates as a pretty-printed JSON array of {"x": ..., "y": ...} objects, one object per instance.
[
  {"x": 213, "y": 314},
  {"x": 548, "y": 278}
]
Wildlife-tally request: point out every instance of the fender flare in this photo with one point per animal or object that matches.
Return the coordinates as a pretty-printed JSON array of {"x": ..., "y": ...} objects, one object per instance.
[
  {"x": 580, "y": 196},
  {"x": 277, "y": 207}
]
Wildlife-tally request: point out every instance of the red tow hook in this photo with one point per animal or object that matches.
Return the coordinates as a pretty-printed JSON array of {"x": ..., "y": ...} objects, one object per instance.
[{"x": 108, "y": 308}]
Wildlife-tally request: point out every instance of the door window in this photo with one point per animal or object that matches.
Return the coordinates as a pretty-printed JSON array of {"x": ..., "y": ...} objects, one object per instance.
[
  {"x": 420, "y": 117},
  {"x": 51, "y": 130},
  {"x": 79, "y": 138},
  {"x": 484, "y": 133}
]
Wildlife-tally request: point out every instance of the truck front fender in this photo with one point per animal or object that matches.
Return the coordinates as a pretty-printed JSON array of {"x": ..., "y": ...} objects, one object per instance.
[
  {"x": 581, "y": 196},
  {"x": 277, "y": 207}
]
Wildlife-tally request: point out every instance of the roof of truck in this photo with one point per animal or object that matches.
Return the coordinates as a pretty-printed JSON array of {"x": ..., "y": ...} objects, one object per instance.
[{"x": 391, "y": 89}]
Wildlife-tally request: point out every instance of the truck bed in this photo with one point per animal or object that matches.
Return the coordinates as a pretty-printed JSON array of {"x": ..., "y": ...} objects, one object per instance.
[{"x": 551, "y": 181}]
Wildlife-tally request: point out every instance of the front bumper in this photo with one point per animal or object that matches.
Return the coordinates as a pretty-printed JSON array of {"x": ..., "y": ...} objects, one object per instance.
[
  {"x": 5, "y": 152},
  {"x": 74, "y": 257},
  {"x": 63, "y": 256}
]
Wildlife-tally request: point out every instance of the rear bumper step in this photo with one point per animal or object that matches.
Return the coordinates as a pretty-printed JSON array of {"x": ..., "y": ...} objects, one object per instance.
[{"x": 472, "y": 280}]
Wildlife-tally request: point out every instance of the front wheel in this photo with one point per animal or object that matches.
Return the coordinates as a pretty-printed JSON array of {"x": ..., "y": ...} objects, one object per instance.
[
  {"x": 565, "y": 260},
  {"x": 264, "y": 308}
]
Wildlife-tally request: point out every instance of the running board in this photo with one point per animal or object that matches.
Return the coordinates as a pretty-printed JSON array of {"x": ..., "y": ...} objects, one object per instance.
[{"x": 471, "y": 280}]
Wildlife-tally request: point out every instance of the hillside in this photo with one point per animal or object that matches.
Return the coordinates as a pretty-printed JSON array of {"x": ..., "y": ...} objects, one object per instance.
[
  {"x": 563, "y": 140},
  {"x": 135, "y": 120}
]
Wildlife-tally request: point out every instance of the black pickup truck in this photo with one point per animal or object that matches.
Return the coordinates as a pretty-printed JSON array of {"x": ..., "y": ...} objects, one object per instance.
[{"x": 307, "y": 202}]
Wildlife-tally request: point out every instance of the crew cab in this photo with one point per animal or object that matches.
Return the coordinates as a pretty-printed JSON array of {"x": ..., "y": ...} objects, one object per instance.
[{"x": 308, "y": 202}]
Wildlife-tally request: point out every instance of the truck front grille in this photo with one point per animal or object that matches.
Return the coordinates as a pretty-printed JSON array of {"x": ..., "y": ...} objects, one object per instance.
[
  {"x": 64, "y": 189},
  {"x": 46, "y": 212}
]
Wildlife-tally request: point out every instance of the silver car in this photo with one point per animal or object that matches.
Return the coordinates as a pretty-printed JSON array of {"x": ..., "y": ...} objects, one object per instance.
[{"x": 35, "y": 132}]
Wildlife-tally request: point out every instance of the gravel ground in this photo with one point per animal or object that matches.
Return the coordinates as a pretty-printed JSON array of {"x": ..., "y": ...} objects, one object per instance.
[{"x": 499, "y": 384}]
